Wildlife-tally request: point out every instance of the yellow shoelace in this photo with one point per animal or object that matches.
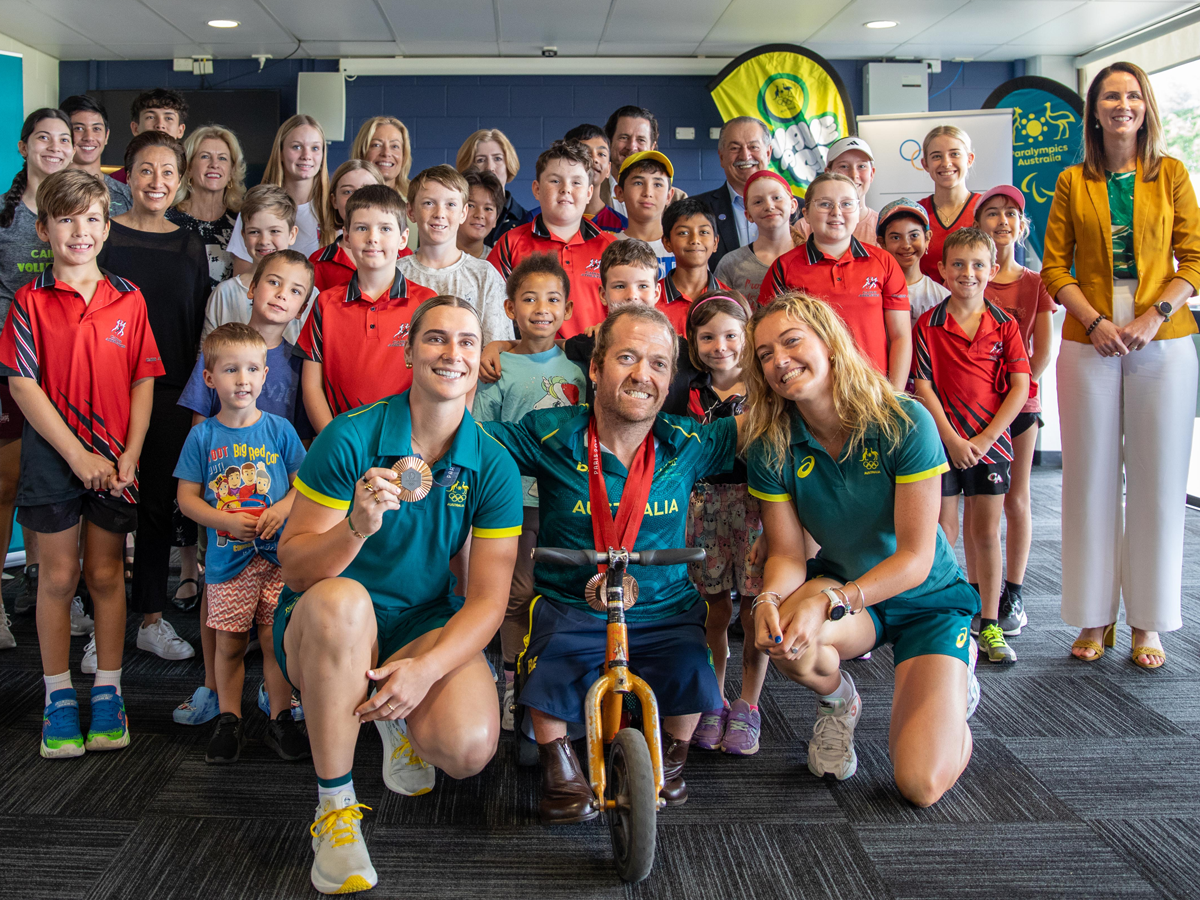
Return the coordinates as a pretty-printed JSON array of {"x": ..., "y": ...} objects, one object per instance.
[
  {"x": 339, "y": 823},
  {"x": 405, "y": 748}
]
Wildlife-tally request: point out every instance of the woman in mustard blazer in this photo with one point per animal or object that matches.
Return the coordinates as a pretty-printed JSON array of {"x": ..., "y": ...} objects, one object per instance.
[{"x": 1126, "y": 221}]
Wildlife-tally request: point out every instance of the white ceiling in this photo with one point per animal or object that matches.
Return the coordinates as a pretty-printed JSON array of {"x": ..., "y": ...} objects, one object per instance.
[{"x": 946, "y": 29}]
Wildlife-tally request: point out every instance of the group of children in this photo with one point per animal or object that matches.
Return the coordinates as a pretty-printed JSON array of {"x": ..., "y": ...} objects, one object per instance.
[{"x": 300, "y": 334}]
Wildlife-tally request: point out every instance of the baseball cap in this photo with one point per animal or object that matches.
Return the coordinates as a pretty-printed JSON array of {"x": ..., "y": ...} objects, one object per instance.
[
  {"x": 901, "y": 207},
  {"x": 838, "y": 147},
  {"x": 644, "y": 156},
  {"x": 1003, "y": 190}
]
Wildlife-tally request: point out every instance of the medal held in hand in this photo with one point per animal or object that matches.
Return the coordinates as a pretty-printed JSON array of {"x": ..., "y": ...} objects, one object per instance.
[
  {"x": 415, "y": 479},
  {"x": 620, "y": 533}
]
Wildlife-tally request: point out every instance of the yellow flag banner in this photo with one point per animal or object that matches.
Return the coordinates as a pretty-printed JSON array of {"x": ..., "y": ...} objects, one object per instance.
[{"x": 799, "y": 96}]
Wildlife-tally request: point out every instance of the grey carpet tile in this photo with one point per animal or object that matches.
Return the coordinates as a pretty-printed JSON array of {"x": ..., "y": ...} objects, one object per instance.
[
  {"x": 1017, "y": 861},
  {"x": 1163, "y": 851},
  {"x": 1133, "y": 777},
  {"x": 996, "y": 787},
  {"x": 1172, "y": 696},
  {"x": 183, "y": 858},
  {"x": 53, "y": 858},
  {"x": 1057, "y": 706},
  {"x": 116, "y": 784},
  {"x": 22, "y": 692}
]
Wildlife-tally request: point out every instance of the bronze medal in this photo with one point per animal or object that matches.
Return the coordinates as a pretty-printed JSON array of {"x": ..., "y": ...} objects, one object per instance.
[
  {"x": 415, "y": 479},
  {"x": 594, "y": 590}
]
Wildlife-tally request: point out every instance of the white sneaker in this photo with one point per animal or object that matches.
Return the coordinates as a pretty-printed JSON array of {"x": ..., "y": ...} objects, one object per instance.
[
  {"x": 403, "y": 771},
  {"x": 831, "y": 750},
  {"x": 161, "y": 640},
  {"x": 506, "y": 711},
  {"x": 972, "y": 681},
  {"x": 341, "y": 864},
  {"x": 89, "y": 665},
  {"x": 81, "y": 622},
  {"x": 7, "y": 641}
]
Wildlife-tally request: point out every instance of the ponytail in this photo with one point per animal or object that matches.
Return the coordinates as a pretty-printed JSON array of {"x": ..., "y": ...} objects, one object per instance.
[
  {"x": 9, "y": 210},
  {"x": 13, "y": 197}
]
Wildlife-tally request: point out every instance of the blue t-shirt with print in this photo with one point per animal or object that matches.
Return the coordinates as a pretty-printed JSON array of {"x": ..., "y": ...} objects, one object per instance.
[
  {"x": 242, "y": 470},
  {"x": 279, "y": 396}
]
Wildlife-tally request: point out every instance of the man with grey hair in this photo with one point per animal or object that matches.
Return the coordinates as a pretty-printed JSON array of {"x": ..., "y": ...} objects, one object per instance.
[{"x": 743, "y": 149}]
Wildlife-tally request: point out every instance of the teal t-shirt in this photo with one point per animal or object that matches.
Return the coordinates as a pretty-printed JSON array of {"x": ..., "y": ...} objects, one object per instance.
[
  {"x": 405, "y": 565},
  {"x": 1120, "y": 207},
  {"x": 551, "y": 446},
  {"x": 529, "y": 381},
  {"x": 849, "y": 506}
]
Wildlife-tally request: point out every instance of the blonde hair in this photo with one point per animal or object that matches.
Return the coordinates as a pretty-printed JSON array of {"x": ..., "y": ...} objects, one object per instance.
[
  {"x": 273, "y": 174},
  {"x": 466, "y": 153},
  {"x": 231, "y": 334},
  {"x": 446, "y": 176},
  {"x": 235, "y": 190},
  {"x": 350, "y": 165},
  {"x": 826, "y": 178},
  {"x": 950, "y": 131},
  {"x": 362, "y": 143},
  {"x": 862, "y": 397},
  {"x": 1151, "y": 148},
  {"x": 69, "y": 192}
]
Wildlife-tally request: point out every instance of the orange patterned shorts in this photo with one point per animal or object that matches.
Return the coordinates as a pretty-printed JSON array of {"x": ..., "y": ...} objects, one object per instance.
[{"x": 250, "y": 597}]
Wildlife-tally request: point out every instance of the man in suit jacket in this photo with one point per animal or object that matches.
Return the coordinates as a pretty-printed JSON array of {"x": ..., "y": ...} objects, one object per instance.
[{"x": 743, "y": 149}]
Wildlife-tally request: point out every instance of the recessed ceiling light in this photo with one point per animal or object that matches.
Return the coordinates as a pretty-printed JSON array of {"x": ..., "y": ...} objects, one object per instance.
[
  {"x": 223, "y": 23},
  {"x": 879, "y": 23}
]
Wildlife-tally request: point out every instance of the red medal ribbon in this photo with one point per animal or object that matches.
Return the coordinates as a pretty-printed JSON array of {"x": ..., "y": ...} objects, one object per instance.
[{"x": 622, "y": 533}]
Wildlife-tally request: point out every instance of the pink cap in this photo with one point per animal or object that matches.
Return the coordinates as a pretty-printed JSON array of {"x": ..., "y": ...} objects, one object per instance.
[{"x": 1003, "y": 190}]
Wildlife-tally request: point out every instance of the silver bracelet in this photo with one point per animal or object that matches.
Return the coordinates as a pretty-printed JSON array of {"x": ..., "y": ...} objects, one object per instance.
[
  {"x": 862, "y": 598},
  {"x": 763, "y": 598}
]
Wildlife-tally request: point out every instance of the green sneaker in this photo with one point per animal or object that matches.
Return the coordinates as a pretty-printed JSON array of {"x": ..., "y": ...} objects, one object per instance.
[{"x": 991, "y": 642}]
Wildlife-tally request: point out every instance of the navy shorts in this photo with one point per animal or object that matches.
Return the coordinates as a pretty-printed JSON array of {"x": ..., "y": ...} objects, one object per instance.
[
  {"x": 935, "y": 623},
  {"x": 980, "y": 479},
  {"x": 100, "y": 508},
  {"x": 564, "y": 654},
  {"x": 1024, "y": 421}
]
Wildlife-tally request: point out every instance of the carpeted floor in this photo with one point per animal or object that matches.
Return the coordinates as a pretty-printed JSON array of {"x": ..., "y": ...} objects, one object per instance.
[{"x": 1082, "y": 783}]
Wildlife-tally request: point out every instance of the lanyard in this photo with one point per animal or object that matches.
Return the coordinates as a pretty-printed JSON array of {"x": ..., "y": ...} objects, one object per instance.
[{"x": 622, "y": 533}]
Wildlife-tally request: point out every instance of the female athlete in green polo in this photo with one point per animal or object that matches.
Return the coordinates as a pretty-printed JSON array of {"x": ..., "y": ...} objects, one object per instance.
[
  {"x": 832, "y": 449},
  {"x": 370, "y": 597}
]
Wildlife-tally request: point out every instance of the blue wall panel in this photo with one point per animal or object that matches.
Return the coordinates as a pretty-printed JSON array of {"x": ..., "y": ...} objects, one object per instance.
[{"x": 532, "y": 110}]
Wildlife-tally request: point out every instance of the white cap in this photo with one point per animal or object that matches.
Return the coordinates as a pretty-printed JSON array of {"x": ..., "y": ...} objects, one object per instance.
[{"x": 838, "y": 147}]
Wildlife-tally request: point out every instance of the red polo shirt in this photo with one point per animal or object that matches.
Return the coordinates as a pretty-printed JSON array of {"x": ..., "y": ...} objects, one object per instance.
[
  {"x": 334, "y": 267},
  {"x": 860, "y": 286},
  {"x": 360, "y": 342},
  {"x": 86, "y": 357},
  {"x": 675, "y": 304},
  {"x": 970, "y": 375},
  {"x": 939, "y": 233},
  {"x": 580, "y": 256}
]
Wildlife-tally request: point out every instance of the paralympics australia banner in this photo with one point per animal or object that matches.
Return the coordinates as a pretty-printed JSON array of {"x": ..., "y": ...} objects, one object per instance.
[
  {"x": 1047, "y": 137},
  {"x": 798, "y": 95}
]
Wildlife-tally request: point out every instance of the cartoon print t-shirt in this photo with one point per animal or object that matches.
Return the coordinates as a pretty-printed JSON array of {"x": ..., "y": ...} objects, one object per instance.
[{"x": 242, "y": 470}]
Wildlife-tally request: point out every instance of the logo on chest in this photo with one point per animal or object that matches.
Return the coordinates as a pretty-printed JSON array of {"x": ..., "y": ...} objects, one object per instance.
[
  {"x": 456, "y": 494},
  {"x": 870, "y": 461},
  {"x": 400, "y": 338},
  {"x": 118, "y": 332}
]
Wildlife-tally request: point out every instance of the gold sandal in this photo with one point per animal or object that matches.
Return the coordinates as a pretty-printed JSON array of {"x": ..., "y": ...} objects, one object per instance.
[
  {"x": 1110, "y": 640},
  {"x": 1152, "y": 653}
]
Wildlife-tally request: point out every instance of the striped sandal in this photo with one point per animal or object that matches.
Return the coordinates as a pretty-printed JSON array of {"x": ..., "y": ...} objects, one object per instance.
[{"x": 1110, "y": 640}]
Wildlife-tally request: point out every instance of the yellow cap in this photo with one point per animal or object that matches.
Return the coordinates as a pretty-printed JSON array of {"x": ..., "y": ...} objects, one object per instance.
[{"x": 643, "y": 156}]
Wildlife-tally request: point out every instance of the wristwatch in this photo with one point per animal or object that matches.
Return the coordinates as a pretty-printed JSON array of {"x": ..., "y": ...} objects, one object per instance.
[
  {"x": 1164, "y": 310},
  {"x": 837, "y": 606}
]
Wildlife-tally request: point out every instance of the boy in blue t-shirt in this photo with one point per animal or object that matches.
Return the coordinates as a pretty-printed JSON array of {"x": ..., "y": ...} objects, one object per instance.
[
  {"x": 235, "y": 475},
  {"x": 535, "y": 374}
]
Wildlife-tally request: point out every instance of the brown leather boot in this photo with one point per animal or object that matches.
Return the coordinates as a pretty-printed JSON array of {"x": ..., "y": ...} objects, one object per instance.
[
  {"x": 675, "y": 753},
  {"x": 566, "y": 794}
]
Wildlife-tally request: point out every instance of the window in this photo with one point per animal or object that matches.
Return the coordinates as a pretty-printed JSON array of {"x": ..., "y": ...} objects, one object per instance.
[{"x": 1178, "y": 93}]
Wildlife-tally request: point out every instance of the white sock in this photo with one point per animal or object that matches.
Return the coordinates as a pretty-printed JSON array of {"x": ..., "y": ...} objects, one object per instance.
[
  {"x": 844, "y": 691},
  {"x": 334, "y": 793},
  {"x": 56, "y": 683},
  {"x": 106, "y": 677}
]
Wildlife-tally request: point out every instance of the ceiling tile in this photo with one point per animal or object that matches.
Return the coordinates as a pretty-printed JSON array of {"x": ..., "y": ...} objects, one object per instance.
[
  {"x": 572, "y": 21},
  {"x": 192, "y": 19},
  {"x": 849, "y": 50},
  {"x": 451, "y": 21},
  {"x": 635, "y": 21},
  {"x": 991, "y": 23},
  {"x": 324, "y": 22},
  {"x": 847, "y": 27},
  {"x": 127, "y": 21},
  {"x": 945, "y": 50},
  {"x": 1094, "y": 23},
  {"x": 79, "y": 51},
  {"x": 647, "y": 49},
  {"x": 751, "y": 22},
  {"x": 29, "y": 25}
]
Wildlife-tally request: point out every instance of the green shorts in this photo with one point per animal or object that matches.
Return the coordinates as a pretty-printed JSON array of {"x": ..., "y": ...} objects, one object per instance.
[
  {"x": 935, "y": 623},
  {"x": 395, "y": 627}
]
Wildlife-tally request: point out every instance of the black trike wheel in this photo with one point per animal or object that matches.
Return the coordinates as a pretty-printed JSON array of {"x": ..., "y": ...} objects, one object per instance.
[{"x": 632, "y": 823}]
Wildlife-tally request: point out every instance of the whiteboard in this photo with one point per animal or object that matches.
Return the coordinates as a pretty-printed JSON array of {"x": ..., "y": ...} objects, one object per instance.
[{"x": 896, "y": 142}]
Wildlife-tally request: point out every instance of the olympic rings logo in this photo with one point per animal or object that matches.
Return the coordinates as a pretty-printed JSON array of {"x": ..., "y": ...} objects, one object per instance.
[{"x": 911, "y": 154}]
